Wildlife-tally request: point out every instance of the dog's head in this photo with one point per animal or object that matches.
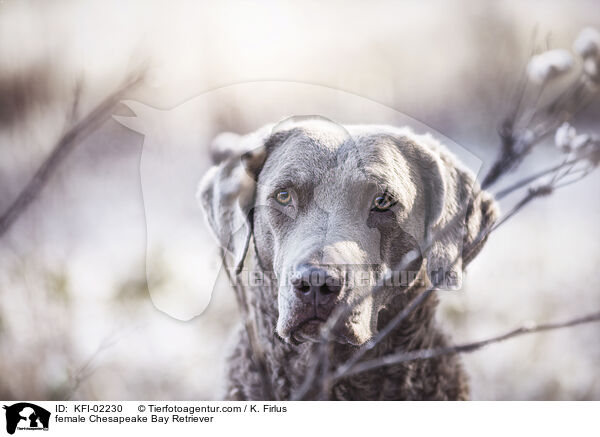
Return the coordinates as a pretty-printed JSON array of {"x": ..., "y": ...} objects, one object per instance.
[{"x": 333, "y": 209}]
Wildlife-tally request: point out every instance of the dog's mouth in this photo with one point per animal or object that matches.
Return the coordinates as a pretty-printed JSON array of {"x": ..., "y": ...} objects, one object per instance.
[
  {"x": 308, "y": 331},
  {"x": 312, "y": 331}
]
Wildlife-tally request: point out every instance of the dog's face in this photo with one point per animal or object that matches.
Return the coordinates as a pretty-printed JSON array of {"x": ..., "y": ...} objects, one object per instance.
[
  {"x": 334, "y": 211},
  {"x": 334, "y": 208}
]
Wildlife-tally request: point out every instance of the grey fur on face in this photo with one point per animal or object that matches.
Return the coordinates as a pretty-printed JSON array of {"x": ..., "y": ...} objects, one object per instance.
[{"x": 312, "y": 186}]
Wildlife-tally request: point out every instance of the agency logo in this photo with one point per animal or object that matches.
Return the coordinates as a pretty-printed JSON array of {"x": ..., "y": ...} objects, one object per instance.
[{"x": 26, "y": 416}]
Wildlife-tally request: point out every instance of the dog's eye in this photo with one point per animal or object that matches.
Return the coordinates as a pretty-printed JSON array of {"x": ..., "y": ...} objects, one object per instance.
[
  {"x": 283, "y": 197},
  {"x": 382, "y": 202}
]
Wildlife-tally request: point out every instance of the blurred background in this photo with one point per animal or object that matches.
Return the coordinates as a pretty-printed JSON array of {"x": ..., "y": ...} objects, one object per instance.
[{"x": 92, "y": 300}]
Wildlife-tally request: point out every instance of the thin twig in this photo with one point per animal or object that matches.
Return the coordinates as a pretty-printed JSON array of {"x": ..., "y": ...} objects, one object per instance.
[
  {"x": 63, "y": 147},
  {"x": 392, "y": 324},
  {"x": 544, "y": 190},
  {"x": 583, "y": 174},
  {"x": 85, "y": 370},
  {"x": 526, "y": 181},
  {"x": 403, "y": 357}
]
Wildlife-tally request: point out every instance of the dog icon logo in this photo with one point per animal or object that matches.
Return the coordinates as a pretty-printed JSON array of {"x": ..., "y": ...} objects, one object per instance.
[{"x": 26, "y": 416}]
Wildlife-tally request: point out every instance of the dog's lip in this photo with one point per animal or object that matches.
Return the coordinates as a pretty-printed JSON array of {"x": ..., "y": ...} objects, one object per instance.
[
  {"x": 313, "y": 324},
  {"x": 300, "y": 335}
]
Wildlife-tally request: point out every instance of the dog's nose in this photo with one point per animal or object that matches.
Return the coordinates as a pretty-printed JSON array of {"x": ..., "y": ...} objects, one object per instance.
[{"x": 316, "y": 283}]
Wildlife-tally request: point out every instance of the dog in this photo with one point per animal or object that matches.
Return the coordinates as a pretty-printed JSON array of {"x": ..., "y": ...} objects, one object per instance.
[{"x": 325, "y": 212}]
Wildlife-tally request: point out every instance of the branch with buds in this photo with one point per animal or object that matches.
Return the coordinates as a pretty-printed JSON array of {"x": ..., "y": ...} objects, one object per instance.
[{"x": 542, "y": 104}]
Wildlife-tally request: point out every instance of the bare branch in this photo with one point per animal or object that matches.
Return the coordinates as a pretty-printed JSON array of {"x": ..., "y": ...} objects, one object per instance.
[
  {"x": 392, "y": 324},
  {"x": 519, "y": 136},
  {"x": 528, "y": 328},
  {"x": 532, "y": 193},
  {"x": 85, "y": 370},
  {"x": 63, "y": 147},
  {"x": 526, "y": 181}
]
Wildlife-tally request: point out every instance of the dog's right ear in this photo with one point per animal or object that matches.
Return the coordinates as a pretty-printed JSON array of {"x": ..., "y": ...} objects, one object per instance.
[{"x": 227, "y": 191}]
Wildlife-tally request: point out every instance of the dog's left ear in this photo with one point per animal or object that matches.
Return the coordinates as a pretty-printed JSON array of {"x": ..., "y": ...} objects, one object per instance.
[
  {"x": 227, "y": 191},
  {"x": 462, "y": 216}
]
